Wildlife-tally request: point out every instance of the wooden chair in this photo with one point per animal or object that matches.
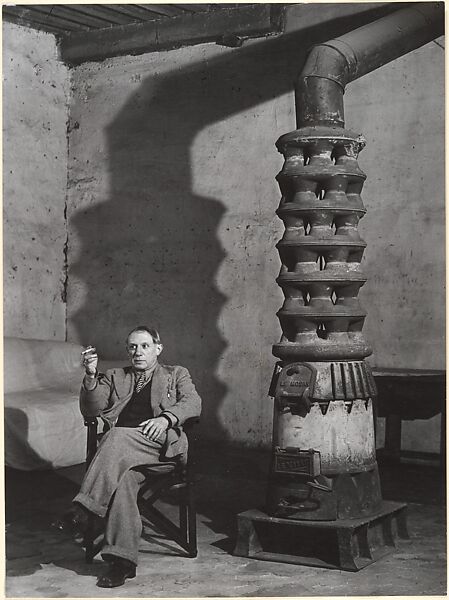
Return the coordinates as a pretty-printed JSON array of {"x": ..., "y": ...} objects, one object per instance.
[{"x": 179, "y": 480}]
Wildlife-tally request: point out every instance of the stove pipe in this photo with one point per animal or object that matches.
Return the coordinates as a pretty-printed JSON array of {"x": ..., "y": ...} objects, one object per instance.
[
  {"x": 330, "y": 66},
  {"x": 324, "y": 461}
]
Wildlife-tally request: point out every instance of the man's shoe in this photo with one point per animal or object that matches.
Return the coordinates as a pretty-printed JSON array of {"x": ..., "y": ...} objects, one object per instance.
[
  {"x": 119, "y": 570},
  {"x": 75, "y": 522}
]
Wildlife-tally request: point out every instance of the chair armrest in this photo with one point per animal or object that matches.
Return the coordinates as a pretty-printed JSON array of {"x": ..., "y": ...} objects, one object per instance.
[
  {"x": 189, "y": 423},
  {"x": 188, "y": 428},
  {"x": 92, "y": 438}
]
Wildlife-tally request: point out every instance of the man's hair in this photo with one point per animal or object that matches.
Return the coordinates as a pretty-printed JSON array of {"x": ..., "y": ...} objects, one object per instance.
[{"x": 151, "y": 330}]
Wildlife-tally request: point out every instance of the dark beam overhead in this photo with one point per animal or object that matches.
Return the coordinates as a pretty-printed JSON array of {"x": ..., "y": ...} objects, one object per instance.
[{"x": 214, "y": 25}]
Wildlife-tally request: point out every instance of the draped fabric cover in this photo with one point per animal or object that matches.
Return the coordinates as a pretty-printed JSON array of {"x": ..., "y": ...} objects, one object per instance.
[{"x": 43, "y": 425}]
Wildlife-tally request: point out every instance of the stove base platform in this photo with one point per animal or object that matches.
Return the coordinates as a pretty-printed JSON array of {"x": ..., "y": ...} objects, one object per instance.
[{"x": 345, "y": 544}]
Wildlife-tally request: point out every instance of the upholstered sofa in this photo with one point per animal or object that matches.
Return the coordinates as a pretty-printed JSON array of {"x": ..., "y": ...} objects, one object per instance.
[{"x": 43, "y": 425}]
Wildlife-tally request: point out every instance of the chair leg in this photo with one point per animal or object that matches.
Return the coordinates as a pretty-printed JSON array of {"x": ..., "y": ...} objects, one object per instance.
[
  {"x": 89, "y": 556},
  {"x": 187, "y": 520},
  {"x": 183, "y": 514},
  {"x": 88, "y": 541},
  {"x": 91, "y": 546},
  {"x": 191, "y": 524}
]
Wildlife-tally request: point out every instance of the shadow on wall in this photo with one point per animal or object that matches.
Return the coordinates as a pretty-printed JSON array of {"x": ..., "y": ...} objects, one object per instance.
[{"x": 150, "y": 254}]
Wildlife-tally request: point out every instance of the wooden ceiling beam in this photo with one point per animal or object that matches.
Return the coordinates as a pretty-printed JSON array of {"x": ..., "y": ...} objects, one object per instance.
[
  {"x": 82, "y": 16},
  {"x": 109, "y": 15},
  {"x": 194, "y": 8},
  {"x": 134, "y": 12},
  {"x": 138, "y": 38},
  {"x": 40, "y": 25},
  {"x": 167, "y": 10},
  {"x": 42, "y": 18}
]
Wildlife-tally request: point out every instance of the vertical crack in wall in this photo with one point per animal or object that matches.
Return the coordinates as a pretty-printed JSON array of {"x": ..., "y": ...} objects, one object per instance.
[{"x": 65, "y": 265}]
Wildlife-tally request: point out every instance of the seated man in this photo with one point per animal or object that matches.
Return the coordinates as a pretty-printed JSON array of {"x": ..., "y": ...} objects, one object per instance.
[{"x": 145, "y": 406}]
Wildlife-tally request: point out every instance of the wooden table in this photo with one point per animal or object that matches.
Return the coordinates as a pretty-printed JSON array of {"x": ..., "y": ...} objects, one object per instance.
[{"x": 409, "y": 394}]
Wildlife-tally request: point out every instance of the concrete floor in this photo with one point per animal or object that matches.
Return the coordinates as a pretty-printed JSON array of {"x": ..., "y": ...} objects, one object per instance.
[{"x": 46, "y": 563}]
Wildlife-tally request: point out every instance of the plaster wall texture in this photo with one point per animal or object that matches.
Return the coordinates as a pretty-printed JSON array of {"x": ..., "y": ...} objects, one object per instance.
[
  {"x": 399, "y": 108},
  {"x": 34, "y": 184},
  {"x": 171, "y": 218}
]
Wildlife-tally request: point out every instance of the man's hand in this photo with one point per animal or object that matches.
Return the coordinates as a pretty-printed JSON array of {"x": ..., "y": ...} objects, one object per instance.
[
  {"x": 153, "y": 428},
  {"x": 90, "y": 360}
]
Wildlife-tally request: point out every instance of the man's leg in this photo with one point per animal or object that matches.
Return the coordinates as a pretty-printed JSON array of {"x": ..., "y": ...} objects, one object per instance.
[
  {"x": 123, "y": 524},
  {"x": 121, "y": 449}
]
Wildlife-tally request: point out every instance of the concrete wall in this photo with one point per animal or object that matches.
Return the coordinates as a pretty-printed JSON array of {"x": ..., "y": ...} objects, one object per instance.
[
  {"x": 400, "y": 110},
  {"x": 171, "y": 218},
  {"x": 34, "y": 180}
]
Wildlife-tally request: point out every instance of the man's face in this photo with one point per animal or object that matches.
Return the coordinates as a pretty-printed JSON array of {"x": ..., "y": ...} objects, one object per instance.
[{"x": 142, "y": 350}]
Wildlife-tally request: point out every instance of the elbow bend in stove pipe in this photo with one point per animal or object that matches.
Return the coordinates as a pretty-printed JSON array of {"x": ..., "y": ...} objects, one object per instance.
[
  {"x": 332, "y": 65},
  {"x": 320, "y": 89}
]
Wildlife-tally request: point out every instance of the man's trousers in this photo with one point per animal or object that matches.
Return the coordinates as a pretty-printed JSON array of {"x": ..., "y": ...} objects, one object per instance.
[{"x": 112, "y": 482}]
